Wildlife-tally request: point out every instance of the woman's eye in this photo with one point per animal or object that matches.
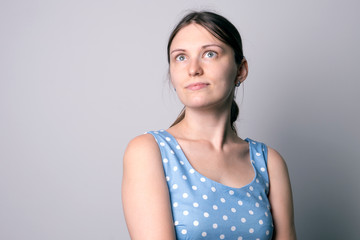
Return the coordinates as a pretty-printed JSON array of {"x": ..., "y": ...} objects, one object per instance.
[
  {"x": 210, "y": 54},
  {"x": 180, "y": 58}
]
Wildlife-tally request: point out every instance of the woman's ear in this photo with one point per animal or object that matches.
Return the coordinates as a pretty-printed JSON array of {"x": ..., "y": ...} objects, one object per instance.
[{"x": 242, "y": 71}]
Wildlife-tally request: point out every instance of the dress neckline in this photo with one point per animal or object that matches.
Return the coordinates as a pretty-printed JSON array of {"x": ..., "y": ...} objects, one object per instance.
[{"x": 187, "y": 162}]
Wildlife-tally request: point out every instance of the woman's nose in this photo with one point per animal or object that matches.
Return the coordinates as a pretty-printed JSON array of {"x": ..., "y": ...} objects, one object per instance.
[{"x": 195, "y": 68}]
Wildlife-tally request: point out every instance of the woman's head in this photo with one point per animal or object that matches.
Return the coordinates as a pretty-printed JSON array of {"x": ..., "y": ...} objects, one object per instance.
[
  {"x": 224, "y": 32},
  {"x": 217, "y": 25}
]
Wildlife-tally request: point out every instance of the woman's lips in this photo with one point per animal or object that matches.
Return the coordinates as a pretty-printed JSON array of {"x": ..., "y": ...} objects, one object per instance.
[{"x": 197, "y": 86}]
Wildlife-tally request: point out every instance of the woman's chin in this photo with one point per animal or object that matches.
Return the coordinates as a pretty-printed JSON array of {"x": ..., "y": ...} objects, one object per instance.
[
  {"x": 205, "y": 103},
  {"x": 202, "y": 105}
]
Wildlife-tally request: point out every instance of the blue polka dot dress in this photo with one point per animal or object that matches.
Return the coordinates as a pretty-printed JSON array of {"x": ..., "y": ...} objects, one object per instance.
[{"x": 205, "y": 209}]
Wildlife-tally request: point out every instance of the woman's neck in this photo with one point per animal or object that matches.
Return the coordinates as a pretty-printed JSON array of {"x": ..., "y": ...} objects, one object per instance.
[{"x": 207, "y": 125}]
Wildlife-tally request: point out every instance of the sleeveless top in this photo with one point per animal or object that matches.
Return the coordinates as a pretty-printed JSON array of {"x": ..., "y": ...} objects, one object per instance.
[{"x": 205, "y": 209}]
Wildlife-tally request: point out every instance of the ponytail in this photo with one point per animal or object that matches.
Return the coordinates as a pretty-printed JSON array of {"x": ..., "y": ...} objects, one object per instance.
[
  {"x": 180, "y": 117},
  {"x": 234, "y": 113}
]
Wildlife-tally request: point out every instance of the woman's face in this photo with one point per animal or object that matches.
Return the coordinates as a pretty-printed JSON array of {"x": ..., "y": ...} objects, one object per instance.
[{"x": 202, "y": 68}]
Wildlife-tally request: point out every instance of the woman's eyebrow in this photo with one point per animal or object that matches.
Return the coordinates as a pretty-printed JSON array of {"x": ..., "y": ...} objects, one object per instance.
[
  {"x": 177, "y": 50},
  {"x": 212, "y": 45},
  {"x": 203, "y": 47}
]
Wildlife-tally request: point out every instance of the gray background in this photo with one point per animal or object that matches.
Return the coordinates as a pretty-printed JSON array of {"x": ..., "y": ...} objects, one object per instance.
[{"x": 79, "y": 79}]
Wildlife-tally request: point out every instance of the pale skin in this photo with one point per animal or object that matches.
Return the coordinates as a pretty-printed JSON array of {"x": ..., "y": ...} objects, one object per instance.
[{"x": 205, "y": 136}]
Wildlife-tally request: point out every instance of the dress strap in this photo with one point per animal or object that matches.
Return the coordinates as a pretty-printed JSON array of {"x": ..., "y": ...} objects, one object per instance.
[{"x": 259, "y": 157}]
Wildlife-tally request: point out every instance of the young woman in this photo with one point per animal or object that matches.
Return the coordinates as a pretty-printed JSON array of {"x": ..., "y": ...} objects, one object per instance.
[{"x": 199, "y": 179}]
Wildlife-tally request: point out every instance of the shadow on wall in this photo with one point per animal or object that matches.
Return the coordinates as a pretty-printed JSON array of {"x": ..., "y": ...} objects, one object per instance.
[{"x": 324, "y": 172}]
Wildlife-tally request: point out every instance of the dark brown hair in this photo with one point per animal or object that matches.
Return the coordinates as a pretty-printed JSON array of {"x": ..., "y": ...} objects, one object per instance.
[{"x": 222, "y": 29}]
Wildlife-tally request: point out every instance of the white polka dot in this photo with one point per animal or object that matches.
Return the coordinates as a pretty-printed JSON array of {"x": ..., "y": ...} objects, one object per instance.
[
  {"x": 222, "y": 236},
  {"x": 257, "y": 239},
  {"x": 167, "y": 178},
  {"x": 258, "y": 154},
  {"x": 251, "y": 212},
  {"x": 248, "y": 194},
  {"x": 176, "y": 223},
  {"x": 182, "y": 163},
  {"x": 225, "y": 217},
  {"x": 251, "y": 188},
  {"x": 203, "y": 234},
  {"x": 183, "y": 231},
  {"x": 240, "y": 202},
  {"x": 196, "y": 223},
  {"x": 215, "y": 225},
  {"x": 240, "y": 238},
  {"x": 253, "y": 142},
  {"x": 213, "y": 189},
  {"x": 233, "y": 228},
  {"x": 260, "y": 197},
  {"x": 191, "y": 171},
  {"x": 231, "y": 192},
  {"x": 165, "y": 160},
  {"x": 162, "y": 144},
  {"x": 206, "y": 214},
  {"x": 175, "y": 168},
  {"x": 252, "y": 161},
  {"x": 267, "y": 184},
  {"x": 186, "y": 212},
  {"x": 184, "y": 177},
  {"x": 243, "y": 220},
  {"x": 266, "y": 214},
  {"x": 267, "y": 232},
  {"x": 261, "y": 222},
  {"x": 161, "y": 130},
  {"x": 257, "y": 180},
  {"x": 205, "y": 197},
  {"x": 202, "y": 179},
  {"x": 195, "y": 204},
  {"x": 175, "y": 204},
  {"x": 172, "y": 152},
  {"x": 257, "y": 204},
  {"x": 262, "y": 169},
  {"x": 168, "y": 139},
  {"x": 222, "y": 200},
  {"x": 251, "y": 230},
  {"x": 194, "y": 187},
  {"x": 175, "y": 186},
  {"x": 215, "y": 207},
  {"x": 185, "y": 195},
  {"x": 178, "y": 147},
  {"x": 233, "y": 209}
]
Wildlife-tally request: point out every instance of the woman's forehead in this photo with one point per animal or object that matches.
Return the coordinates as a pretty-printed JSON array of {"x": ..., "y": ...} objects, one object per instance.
[{"x": 192, "y": 35}]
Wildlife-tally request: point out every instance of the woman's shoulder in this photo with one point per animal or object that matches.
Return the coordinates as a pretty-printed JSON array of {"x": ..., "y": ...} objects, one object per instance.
[
  {"x": 144, "y": 182},
  {"x": 275, "y": 159},
  {"x": 142, "y": 140},
  {"x": 143, "y": 144},
  {"x": 142, "y": 151},
  {"x": 273, "y": 156},
  {"x": 277, "y": 166}
]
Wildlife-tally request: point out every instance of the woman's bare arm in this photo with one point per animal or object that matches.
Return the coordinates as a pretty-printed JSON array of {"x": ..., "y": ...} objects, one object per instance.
[
  {"x": 145, "y": 194},
  {"x": 280, "y": 197}
]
